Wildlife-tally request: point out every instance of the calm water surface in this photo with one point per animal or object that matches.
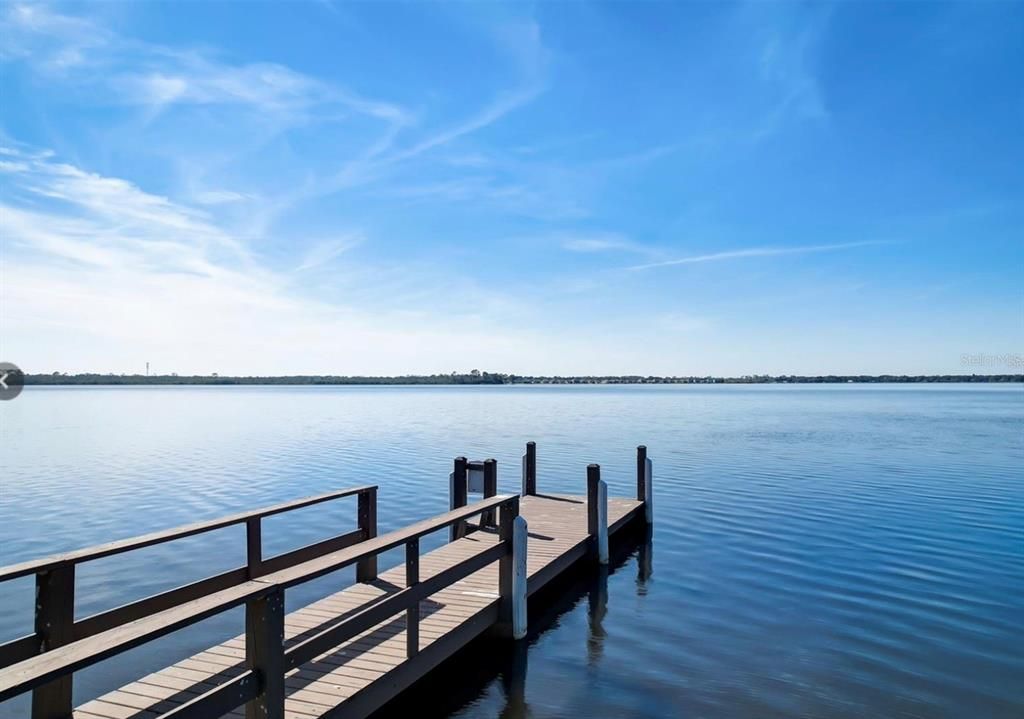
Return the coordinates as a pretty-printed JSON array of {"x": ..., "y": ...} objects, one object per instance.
[{"x": 836, "y": 551}]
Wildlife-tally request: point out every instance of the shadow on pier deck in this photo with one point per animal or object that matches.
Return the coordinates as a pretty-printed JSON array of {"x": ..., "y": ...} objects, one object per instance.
[{"x": 346, "y": 655}]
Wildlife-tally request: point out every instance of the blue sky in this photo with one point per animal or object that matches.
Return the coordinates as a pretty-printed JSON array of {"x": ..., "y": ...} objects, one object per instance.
[{"x": 560, "y": 187}]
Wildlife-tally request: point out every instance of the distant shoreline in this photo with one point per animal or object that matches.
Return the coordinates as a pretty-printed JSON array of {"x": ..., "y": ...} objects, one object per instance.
[{"x": 487, "y": 378}]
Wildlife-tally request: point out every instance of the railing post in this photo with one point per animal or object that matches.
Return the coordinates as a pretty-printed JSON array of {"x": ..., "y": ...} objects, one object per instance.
[
  {"x": 54, "y": 626},
  {"x": 597, "y": 512},
  {"x": 457, "y": 492},
  {"x": 512, "y": 530},
  {"x": 254, "y": 547},
  {"x": 488, "y": 519},
  {"x": 264, "y": 653},
  {"x": 412, "y": 614},
  {"x": 366, "y": 568},
  {"x": 641, "y": 473},
  {"x": 530, "y": 469}
]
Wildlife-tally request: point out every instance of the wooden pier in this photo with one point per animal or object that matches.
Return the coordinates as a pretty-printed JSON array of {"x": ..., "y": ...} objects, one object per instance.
[{"x": 346, "y": 655}]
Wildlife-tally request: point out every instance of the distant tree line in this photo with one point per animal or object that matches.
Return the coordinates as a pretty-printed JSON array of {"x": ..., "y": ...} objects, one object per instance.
[{"x": 477, "y": 377}]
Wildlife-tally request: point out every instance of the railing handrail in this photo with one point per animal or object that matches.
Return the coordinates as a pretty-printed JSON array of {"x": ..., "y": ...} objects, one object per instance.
[
  {"x": 305, "y": 572},
  {"x": 65, "y": 660},
  {"x": 69, "y": 658},
  {"x": 119, "y": 546},
  {"x": 390, "y": 605}
]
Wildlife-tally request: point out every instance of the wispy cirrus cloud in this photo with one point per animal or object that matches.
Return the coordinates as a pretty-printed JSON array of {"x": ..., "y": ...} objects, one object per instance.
[
  {"x": 756, "y": 252},
  {"x": 270, "y": 100},
  {"x": 72, "y": 48},
  {"x": 59, "y": 208},
  {"x": 94, "y": 263},
  {"x": 219, "y": 197},
  {"x": 522, "y": 41},
  {"x": 54, "y": 42},
  {"x": 324, "y": 251},
  {"x": 603, "y": 242}
]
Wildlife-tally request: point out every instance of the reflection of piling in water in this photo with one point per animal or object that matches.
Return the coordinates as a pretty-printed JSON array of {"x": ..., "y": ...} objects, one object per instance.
[
  {"x": 513, "y": 683},
  {"x": 645, "y": 560},
  {"x": 597, "y": 608}
]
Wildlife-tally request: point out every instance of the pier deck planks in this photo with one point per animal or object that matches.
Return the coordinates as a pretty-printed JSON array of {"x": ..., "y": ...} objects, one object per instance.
[{"x": 362, "y": 674}]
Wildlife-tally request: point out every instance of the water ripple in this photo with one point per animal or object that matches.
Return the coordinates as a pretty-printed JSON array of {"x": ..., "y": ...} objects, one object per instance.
[{"x": 818, "y": 551}]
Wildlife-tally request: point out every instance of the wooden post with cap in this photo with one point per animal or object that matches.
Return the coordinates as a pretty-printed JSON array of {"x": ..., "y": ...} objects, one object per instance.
[
  {"x": 488, "y": 518},
  {"x": 597, "y": 513},
  {"x": 641, "y": 472},
  {"x": 530, "y": 469},
  {"x": 458, "y": 493}
]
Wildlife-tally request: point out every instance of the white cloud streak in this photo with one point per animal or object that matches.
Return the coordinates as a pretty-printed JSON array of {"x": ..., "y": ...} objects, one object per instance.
[
  {"x": 156, "y": 77},
  {"x": 603, "y": 242},
  {"x": 755, "y": 252}
]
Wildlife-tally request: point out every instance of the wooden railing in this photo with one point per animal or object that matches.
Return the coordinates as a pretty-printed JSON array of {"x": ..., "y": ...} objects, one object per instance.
[
  {"x": 261, "y": 686},
  {"x": 55, "y": 624}
]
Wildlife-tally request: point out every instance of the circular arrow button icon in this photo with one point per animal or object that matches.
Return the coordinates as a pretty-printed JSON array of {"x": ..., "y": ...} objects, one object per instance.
[{"x": 12, "y": 379}]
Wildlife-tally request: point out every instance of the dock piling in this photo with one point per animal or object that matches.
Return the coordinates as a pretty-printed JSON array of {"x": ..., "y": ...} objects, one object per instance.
[
  {"x": 641, "y": 472},
  {"x": 644, "y": 482},
  {"x": 649, "y": 491},
  {"x": 530, "y": 469},
  {"x": 458, "y": 493},
  {"x": 520, "y": 536},
  {"x": 488, "y": 519},
  {"x": 512, "y": 593},
  {"x": 597, "y": 512}
]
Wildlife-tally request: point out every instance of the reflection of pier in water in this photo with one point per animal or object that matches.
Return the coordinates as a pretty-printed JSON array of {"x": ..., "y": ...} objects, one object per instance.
[{"x": 467, "y": 676}]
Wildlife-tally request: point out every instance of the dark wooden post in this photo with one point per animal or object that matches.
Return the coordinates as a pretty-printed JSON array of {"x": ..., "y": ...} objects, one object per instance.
[
  {"x": 641, "y": 472},
  {"x": 593, "y": 478},
  {"x": 597, "y": 512},
  {"x": 264, "y": 653},
  {"x": 254, "y": 546},
  {"x": 530, "y": 479},
  {"x": 488, "y": 519},
  {"x": 366, "y": 568},
  {"x": 54, "y": 625},
  {"x": 509, "y": 514},
  {"x": 412, "y": 614},
  {"x": 458, "y": 496}
]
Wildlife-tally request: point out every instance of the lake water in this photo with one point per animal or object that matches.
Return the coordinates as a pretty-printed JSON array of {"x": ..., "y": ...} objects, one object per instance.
[{"x": 821, "y": 551}]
